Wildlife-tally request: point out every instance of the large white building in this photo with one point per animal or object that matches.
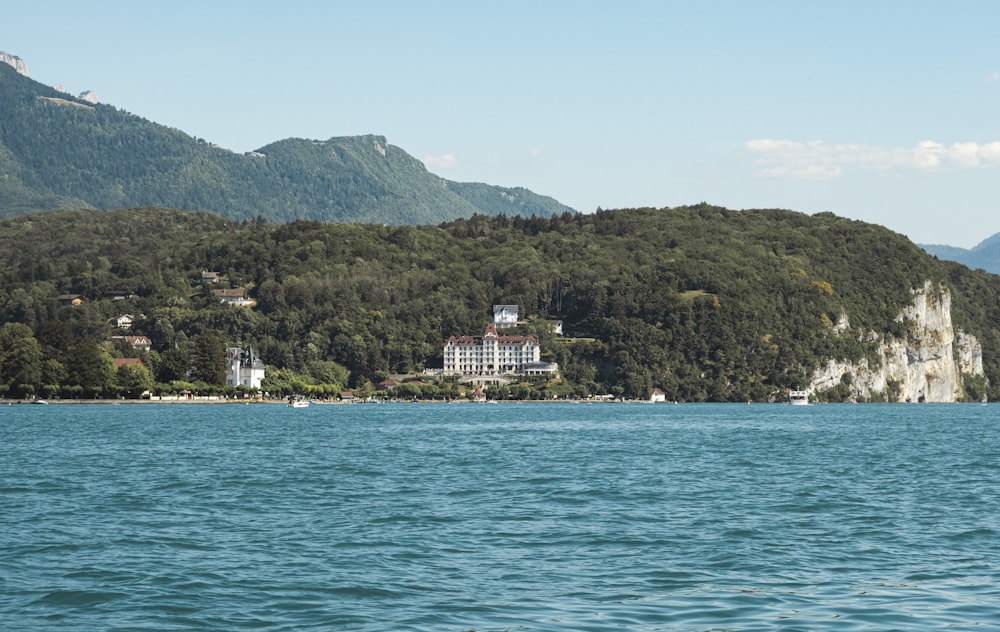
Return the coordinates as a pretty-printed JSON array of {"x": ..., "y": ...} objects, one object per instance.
[
  {"x": 490, "y": 354},
  {"x": 243, "y": 368}
]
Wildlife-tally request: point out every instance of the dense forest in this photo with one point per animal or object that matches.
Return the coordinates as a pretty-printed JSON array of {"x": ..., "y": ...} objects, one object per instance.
[
  {"x": 58, "y": 152},
  {"x": 705, "y": 303}
]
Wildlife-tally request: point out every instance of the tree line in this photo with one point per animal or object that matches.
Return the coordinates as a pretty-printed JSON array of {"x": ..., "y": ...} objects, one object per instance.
[{"x": 705, "y": 303}]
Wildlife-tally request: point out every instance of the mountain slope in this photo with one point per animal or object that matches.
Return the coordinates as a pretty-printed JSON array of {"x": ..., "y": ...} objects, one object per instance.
[
  {"x": 984, "y": 256},
  {"x": 59, "y": 152}
]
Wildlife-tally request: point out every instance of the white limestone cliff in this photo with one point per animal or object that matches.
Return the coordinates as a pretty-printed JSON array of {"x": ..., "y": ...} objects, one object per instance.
[
  {"x": 14, "y": 61},
  {"x": 927, "y": 366},
  {"x": 18, "y": 64}
]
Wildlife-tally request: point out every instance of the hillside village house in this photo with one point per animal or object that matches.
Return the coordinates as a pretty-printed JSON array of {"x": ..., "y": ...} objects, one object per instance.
[
  {"x": 139, "y": 343},
  {"x": 243, "y": 368},
  {"x": 494, "y": 355},
  {"x": 71, "y": 300},
  {"x": 233, "y": 296},
  {"x": 122, "y": 322},
  {"x": 505, "y": 316}
]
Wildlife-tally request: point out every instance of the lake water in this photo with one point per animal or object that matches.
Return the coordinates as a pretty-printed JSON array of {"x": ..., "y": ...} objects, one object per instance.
[{"x": 499, "y": 517}]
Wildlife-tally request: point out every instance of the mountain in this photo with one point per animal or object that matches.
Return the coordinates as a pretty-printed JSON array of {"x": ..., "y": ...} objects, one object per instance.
[
  {"x": 983, "y": 256},
  {"x": 62, "y": 152}
]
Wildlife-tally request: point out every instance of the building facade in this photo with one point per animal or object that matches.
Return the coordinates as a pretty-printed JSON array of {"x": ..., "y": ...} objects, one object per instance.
[
  {"x": 505, "y": 316},
  {"x": 243, "y": 368},
  {"x": 490, "y": 354}
]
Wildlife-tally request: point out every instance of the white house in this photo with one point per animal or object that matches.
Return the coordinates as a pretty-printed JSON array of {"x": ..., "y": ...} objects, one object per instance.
[
  {"x": 141, "y": 343},
  {"x": 504, "y": 316},
  {"x": 243, "y": 368},
  {"x": 541, "y": 369},
  {"x": 122, "y": 322},
  {"x": 490, "y": 354},
  {"x": 233, "y": 296},
  {"x": 658, "y": 396}
]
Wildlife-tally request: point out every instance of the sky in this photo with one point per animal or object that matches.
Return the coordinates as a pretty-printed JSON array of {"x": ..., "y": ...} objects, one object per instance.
[{"x": 879, "y": 110}]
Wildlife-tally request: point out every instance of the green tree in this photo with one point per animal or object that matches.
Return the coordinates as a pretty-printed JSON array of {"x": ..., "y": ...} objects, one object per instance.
[
  {"x": 89, "y": 368},
  {"x": 53, "y": 376},
  {"x": 133, "y": 380},
  {"x": 173, "y": 365},
  {"x": 208, "y": 358},
  {"x": 20, "y": 360}
]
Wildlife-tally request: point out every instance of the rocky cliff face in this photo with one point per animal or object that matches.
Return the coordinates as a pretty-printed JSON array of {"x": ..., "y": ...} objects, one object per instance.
[
  {"x": 928, "y": 366},
  {"x": 14, "y": 61}
]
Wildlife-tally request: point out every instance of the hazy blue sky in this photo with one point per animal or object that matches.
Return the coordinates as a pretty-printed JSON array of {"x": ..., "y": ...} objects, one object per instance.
[{"x": 884, "y": 111}]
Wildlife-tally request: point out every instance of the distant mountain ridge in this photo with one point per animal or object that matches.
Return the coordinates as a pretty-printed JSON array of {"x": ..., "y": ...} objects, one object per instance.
[
  {"x": 61, "y": 152},
  {"x": 984, "y": 256}
]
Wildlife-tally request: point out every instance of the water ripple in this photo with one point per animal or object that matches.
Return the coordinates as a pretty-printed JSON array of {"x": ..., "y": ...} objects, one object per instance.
[{"x": 526, "y": 517}]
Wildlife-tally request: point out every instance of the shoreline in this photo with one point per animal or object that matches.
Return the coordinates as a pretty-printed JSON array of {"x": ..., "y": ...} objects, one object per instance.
[{"x": 205, "y": 400}]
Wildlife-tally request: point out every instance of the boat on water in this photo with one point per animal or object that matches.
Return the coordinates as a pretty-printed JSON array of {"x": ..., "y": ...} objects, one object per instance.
[
  {"x": 39, "y": 401},
  {"x": 798, "y": 398},
  {"x": 298, "y": 403}
]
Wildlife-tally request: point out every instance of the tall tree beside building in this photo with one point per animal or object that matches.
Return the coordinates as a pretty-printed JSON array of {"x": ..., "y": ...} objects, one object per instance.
[
  {"x": 208, "y": 358},
  {"x": 133, "y": 380},
  {"x": 89, "y": 369},
  {"x": 172, "y": 365}
]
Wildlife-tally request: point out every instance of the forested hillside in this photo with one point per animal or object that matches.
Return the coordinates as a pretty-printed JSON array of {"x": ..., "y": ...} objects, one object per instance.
[
  {"x": 703, "y": 302},
  {"x": 58, "y": 152}
]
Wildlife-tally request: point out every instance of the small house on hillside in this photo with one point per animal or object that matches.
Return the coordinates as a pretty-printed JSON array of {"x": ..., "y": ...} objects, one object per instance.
[
  {"x": 71, "y": 300},
  {"x": 122, "y": 322},
  {"x": 504, "y": 316},
  {"x": 233, "y": 296},
  {"x": 140, "y": 343}
]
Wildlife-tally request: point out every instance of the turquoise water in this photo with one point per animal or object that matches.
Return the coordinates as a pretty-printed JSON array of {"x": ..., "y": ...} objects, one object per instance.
[{"x": 504, "y": 517}]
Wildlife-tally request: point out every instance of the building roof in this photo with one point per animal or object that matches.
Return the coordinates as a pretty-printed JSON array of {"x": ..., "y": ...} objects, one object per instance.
[
  {"x": 235, "y": 292},
  {"x": 491, "y": 333}
]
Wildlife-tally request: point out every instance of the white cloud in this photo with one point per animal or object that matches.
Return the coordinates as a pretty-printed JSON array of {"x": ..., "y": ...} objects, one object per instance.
[
  {"x": 817, "y": 160},
  {"x": 444, "y": 161},
  {"x": 993, "y": 76},
  {"x": 535, "y": 153}
]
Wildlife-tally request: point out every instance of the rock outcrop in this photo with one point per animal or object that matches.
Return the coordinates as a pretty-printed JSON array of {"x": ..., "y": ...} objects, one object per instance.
[
  {"x": 928, "y": 366},
  {"x": 14, "y": 61}
]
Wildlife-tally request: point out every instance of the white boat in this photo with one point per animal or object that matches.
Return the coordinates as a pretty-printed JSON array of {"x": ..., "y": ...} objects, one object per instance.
[
  {"x": 798, "y": 398},
  {"x": 299, "y": 403}
]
